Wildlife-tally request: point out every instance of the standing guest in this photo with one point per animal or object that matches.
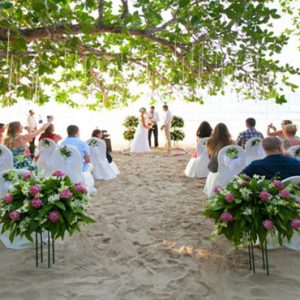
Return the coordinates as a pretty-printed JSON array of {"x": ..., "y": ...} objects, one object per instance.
[
  {"x": 275, "y": 164},
  {"x": 31, "y": 125},
  {"x": 220, "y": 138},
  {"x": 98, "y": 134},
  {"x": 166, "y": 127},
  {"x": 251, "y": 132},
  {"x": 17, "y": 143},
  {"x": 153, "y": 119},
  {"x": 204, "y": 130},
  {"x": 290, "y": 138},
  {"x": 49, "y": 134},
  {"x": 272, "y": 131},
  {"x": 74, "y": 140},
  {"x": 2, "y": 129}
]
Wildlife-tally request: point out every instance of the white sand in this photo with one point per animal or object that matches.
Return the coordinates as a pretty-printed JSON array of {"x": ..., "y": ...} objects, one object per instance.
[{"x": 150, "y": 241}]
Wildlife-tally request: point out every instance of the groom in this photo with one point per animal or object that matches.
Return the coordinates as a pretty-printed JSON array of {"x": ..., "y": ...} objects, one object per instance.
[{"x": 153, "y": 119}]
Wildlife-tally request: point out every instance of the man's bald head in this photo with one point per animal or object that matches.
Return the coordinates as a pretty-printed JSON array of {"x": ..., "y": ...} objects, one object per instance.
[{"x": 272, "y": 145}]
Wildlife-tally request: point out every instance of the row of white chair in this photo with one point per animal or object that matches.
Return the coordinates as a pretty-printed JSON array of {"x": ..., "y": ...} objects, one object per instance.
[
  {"x": 52, "y": 157},
  {"x": 197, "y": 167}
]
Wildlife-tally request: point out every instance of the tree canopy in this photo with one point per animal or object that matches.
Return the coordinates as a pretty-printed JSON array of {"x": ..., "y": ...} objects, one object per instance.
[{"x": 104, "y": 49}]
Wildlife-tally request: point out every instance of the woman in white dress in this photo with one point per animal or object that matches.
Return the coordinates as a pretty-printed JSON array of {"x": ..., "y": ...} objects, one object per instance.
[{"x": 140, "y": 142}]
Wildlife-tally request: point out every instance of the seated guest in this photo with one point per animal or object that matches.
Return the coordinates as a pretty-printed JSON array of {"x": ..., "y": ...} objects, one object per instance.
[
  {"x": 17, "y": 143},
  {"x": 290, "y": 138},
  {"x": 204, "y": 130},
  {"x": 275, "y": 164},
  {"x": 251, "y": 132},
  {"x": 275, "y": 132},
  {"x": 82, "y": 146},
  {"x": 2, "y": 129},
  {"x": 98, "y": 134},
  {"x": 220, "y": 138},
  {"x": 49, "y": 134}
]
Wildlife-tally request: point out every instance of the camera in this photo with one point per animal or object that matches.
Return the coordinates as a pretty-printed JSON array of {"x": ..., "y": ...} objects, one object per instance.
[{"x": 49, "y": 118}]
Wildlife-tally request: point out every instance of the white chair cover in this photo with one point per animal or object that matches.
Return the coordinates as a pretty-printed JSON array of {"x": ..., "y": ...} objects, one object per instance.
[
  {"x": 72, "y": 166},
  {"x": 295, "y": 151},
  {"x": 197, "y": 167},
  {"x": 102, "y": 168},
  {"x": 19, "y": 243},
  {"x": 254, "y": 149},
  {"x": 44, "y": 163},
  {"x": 227, "y": 169},
  {"x": 6, "y": 159}
]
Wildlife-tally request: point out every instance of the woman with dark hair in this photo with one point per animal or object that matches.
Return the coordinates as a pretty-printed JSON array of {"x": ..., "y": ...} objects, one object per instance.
[
  {"x": 204, "y": 130},
  {"x": 220, "y": 138},
  {"x": 49, "y": 134},
  {"x": 97, "y": 133}
]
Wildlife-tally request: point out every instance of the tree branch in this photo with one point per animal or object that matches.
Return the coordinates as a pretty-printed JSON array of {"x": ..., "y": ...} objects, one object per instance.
[
  {"x": 125, "y": 9},
  {"x": 100, "y": 11}
]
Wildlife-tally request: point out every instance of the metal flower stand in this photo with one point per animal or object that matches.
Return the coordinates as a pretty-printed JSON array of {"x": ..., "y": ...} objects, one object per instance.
[
  {"x": 39, "y": 249},
  {"x": 265, "y": 259}
]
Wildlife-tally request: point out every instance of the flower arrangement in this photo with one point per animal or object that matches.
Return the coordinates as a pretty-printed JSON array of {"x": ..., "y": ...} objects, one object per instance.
[
  {"x": 256, "y": 142},
  {"x": 65, "y": 152},
  {"x": 130, "y": 123},
  {"x": 248, "y": 210},
  {"x": 46, "y": 143},
  {"x": 34, "y": 204},
  {"x": 93, "y": 143},
  {"x": 177, "y": 134},
  {"x": 177, "y": 122},
  {"x": 232, "y": 153}
]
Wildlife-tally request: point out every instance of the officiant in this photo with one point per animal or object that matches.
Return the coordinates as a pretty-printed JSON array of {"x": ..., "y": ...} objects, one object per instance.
[{"x": 153, "y": 119}]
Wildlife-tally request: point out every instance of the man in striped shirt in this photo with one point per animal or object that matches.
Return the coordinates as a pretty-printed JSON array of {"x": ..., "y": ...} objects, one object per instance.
[{"x": 251, "y": 132}]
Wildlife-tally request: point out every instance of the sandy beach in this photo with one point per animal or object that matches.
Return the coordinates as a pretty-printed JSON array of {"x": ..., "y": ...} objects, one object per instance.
[{"x": 150, "y": 241}]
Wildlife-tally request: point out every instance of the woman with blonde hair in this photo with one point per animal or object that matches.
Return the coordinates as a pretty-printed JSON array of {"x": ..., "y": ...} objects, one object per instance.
[
  {"x": 289, "y": 134},
  {"x": 220, "y": 138},
  {"x": 140, "y": 141},
  {"x": 17, "y": 143}
]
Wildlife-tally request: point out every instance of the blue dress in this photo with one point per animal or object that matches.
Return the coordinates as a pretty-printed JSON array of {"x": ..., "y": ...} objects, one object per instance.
[{"x": 21, "y": 160}]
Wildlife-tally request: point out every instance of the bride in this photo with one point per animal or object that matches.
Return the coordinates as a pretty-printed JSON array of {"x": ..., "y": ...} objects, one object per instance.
[{"x": 140, "y": 142}]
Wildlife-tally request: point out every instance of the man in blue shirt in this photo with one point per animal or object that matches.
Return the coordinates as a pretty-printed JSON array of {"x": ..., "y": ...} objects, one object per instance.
[
  {"x": 81, "y": 146},
  {"x": 275, "y": 164},
  {"x": 251, "y": 132}
]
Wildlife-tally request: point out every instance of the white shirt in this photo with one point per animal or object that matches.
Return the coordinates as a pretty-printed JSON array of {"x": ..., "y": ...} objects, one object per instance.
[
  {"x": 153, "y": 116},
  {"x": 31, "y": 123},
  {"x": 167, "y": 119}
]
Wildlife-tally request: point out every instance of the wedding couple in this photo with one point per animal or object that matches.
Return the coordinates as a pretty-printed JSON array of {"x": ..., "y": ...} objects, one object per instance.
[{"x": 142, "y": 138}]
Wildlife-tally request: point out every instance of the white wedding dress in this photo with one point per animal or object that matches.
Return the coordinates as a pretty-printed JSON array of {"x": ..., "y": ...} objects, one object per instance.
[{"x": 140, "y": 141}]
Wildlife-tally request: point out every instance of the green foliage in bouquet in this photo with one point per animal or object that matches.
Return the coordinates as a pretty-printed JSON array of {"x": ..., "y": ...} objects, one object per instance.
[
  {"x": 131, "y": 121},
  {"x": 248, "y": 210},
  {"x": 93, "y": 143},
  {"x": 46, "y": 143},
  {"x": 34, "y": 204},
  {"x": 177, "y": 122},
  {"x": 297, "y": 153},
  {"x": 232, "y": 153},
  {"x": 65, "y": 152}
]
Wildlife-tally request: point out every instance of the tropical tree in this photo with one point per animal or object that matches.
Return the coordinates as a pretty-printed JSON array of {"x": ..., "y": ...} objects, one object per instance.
[{"x": 100, "y": 49}]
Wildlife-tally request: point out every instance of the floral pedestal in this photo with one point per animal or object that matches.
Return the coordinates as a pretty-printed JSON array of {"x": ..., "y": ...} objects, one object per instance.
[{"x": 249, "y": 210}]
